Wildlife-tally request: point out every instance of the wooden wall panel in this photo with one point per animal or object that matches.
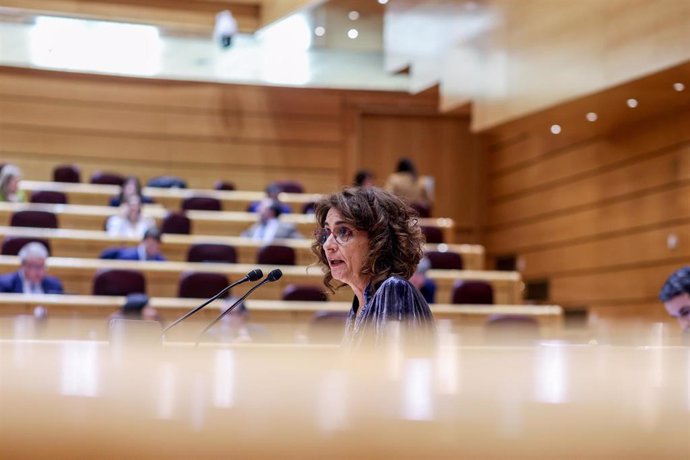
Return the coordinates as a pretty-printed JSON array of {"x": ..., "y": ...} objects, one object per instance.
[
  {"x": 441, "y": 147},
  {"x": 633, "y": 176},
  {"x": 594, "y": 218},
  {"x": 646, "y": 247}
]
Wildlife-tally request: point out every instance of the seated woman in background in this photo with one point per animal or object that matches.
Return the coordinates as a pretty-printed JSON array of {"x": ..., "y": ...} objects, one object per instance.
[
  {"x": 9, "y": 185},
  {"x": 130, "y": 187},
  {"x": 369, "y": 240},
  {"x": 129, "y": 223},
  {"x": 406, "y": 183}
]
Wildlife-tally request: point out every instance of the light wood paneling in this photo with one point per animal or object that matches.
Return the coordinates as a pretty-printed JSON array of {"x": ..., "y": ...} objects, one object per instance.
[
  {"x": 649, "y": 210},
  {"x": 630, "y": 249},
  {"x": 634, "y": 175}
]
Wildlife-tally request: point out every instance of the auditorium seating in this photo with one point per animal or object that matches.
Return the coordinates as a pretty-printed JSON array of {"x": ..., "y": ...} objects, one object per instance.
[
  {"x": 118, "y": 282},
  {"x": 444, "y": 260},
  {"x": 177, "y": 223},
  {"x": 202, "y": 285},
  {"x": 12, "y": 245},
  {"x": 276, "y": 255},
  {"x": 31, "y": 218},
  {"x": 48, "y": 196},
  {"x": 67, "y": 173},
  {"x": 289, "y": 186},
  {"x": 212, "y": 252},
  {"x": 432, "y": 234},
  {"x": 223, "y": 185},
  {"x": 472, "y": 292},
  {"x": 305, "y": 293},
  {"x": 107, "y": 178},
  {"x": 202, "y": 203}
]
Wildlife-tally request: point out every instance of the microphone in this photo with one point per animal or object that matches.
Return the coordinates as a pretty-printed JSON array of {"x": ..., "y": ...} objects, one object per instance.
[
  {"x": 253, "y": 275},
  {"x": 274, "y": 275}
]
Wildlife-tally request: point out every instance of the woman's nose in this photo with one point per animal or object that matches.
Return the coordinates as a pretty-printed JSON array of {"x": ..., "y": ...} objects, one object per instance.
[{"x": 329, "y": 244}]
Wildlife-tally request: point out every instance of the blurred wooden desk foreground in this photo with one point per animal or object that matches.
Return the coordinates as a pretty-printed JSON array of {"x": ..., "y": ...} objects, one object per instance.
[
  {"x": 90, "y": 243},
  {"x": 88, "y": 399}
]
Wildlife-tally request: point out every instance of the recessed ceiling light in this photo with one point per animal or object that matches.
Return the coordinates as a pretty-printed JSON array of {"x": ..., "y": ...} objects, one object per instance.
[
  {"x": 632, "y": 103},
  {"x": 678, "y": 86},
  {"x": 352, "y": 33},
  {"x": 555, "y": 129},
  {"x": 319, "y": 31},
  {"x": 383, "y": 2},
  {"x": 592, "y": 116},
  {"x": 353, "y": 15}
]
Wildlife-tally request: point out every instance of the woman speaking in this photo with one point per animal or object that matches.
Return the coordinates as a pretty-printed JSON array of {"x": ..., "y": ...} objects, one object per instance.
[{"x": 370, "y": 240}]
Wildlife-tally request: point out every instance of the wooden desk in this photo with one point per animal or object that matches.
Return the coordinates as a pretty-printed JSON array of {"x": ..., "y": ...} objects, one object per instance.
[
  {"x": 162, "y": 277},
  {"x": 229, "y": 223},
  {"x": 261, "y": 310},
  {"x": 171, "y": 198},
  {"x": 90, "y": 243}
]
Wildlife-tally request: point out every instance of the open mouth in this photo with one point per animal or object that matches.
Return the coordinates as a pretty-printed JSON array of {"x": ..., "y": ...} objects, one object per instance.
[{"x": 335, "y": 263}]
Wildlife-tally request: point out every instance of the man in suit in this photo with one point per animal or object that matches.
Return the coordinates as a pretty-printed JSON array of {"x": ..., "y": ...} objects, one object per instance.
[
  {"x": 148, "y": 249},
  {"x": 31, "y": 278},
  {"x": 269, "y": 227}
]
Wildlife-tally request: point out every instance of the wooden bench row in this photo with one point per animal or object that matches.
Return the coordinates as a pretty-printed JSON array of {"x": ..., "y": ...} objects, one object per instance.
[
  {"x": 90, "y": 243},
  {"x": 229, "y": 223},
  {"x": 171, "y": 198},
  {"x": 162, "y": 277},
  {"x": 261, "y": 310}
]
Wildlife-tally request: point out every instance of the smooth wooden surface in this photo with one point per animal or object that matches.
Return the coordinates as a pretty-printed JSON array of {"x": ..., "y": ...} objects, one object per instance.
[
  {"x": 162, "y": 277},
  {"x": 555, "y": 400},
  {"x": 90, "y": 243}
]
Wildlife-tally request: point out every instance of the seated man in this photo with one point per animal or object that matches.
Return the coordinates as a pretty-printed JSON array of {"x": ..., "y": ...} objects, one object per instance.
[
  {"x": 268, "y": 227},
  {"x": 273, "y": 192},
  {"x": 148, "y": 249},
  {"x": 31, "y": 278},
  {"x": 675, "y": 294}
]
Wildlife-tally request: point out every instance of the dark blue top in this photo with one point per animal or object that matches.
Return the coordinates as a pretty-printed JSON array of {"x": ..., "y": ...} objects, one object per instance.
[
  {"x": 12, "y": 282},
  {"x": 396, "y": 299}
]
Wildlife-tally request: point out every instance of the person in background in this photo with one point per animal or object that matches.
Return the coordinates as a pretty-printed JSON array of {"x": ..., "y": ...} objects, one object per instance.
[
  {"x": 32, "y": 277},
  {"x": 426, "y": 285},
  {"x": 148, "y": 249},
  {"x": 9, "y": 185},
  {"x": 406, "y": 183},
  {"x": 268, "y": 226},
  {"x": 272, "y": 192},
  {"x": 225, "y": 29},
  {"x": 675, "y": 294},
  {"x": 129, "y": 223},
  {"x": 235, "y": 326},
  {"x": 130, "y": 187},
  {"x": 137, "y": 307},
  {"x": 369, "y": 239},
  {"x": 364, "y": 178}
]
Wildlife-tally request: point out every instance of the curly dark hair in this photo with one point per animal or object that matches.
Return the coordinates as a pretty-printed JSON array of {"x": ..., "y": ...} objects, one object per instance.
[{"x": 396, "y": 243}]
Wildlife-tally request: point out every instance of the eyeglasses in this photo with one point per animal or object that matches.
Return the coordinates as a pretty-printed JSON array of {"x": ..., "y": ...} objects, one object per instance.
[{"x": 341, "y": 234}]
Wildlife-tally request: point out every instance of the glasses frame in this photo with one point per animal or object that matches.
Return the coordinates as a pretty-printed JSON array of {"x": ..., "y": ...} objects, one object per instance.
[{"x": 322, "y": 235}]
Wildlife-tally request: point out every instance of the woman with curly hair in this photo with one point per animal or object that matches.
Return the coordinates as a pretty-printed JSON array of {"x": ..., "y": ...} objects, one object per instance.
[{"x": 370, "y": 240}]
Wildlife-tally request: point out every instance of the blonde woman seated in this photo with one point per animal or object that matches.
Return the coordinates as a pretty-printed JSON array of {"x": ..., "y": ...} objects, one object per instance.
[
  {"x": 9, "y": 185},
  {"x": 129, "y": 223}
]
